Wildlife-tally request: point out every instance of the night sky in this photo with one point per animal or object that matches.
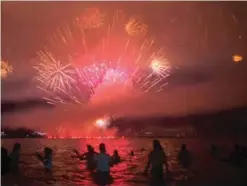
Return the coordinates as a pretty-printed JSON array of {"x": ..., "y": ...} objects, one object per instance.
[{"x": 199, "y": 38}]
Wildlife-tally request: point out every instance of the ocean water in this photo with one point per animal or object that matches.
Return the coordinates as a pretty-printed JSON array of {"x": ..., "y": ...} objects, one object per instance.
[{"x": 67, "y": 170}]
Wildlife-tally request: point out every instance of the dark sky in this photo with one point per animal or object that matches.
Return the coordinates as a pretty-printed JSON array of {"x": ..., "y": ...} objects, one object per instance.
[{"x": 200, "y": 39}]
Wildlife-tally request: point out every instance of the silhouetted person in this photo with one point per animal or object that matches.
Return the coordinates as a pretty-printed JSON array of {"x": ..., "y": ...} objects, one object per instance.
[
  {"x": 142, "y": 149},
  {"x": 214, "y": 151},
  {"x": 184, "y": 157},
  {"x": 156, "y": 159},
  {"x": 116, "y": 158},
  {"x": 132, "y": 153},
  {"x": 5, "y": 161},
  {"x": 244, "y": 152},
  {"x": 15, "y": 158},
  {"x": 103, "y": 163},
  {"x": 236, "y": 156},
  {"x": 88, "y": 156},
  {"x": 46, "y": 159}
]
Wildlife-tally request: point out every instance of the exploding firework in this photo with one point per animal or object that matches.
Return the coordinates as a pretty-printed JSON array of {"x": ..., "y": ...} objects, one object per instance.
[
  {"x": 160, "y": 66},
  {"x": 53, "y": 74},
  {"x": 102, "y": 122},
  {"x": 136, "y": 28},
  {"x": 78, "y": 60},
  {"x": 115, "y": 76},
  {"x": 5, "y": 69},
  {"x": 159, "y": 69},
  {"x": 91, "y": 18},
  {"x": 59, "y": 81},
  {"x": 237, "y": 58}
]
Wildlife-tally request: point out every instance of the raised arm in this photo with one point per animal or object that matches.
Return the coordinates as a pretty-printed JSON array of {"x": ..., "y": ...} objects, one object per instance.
[
  {"x": 82, "y": 156},
  {"x": 148, "y": 164},
  {"x": 38, "y": 155},
  {"x": 76, "y": 152},
  {"x": 78, "y": 155}
]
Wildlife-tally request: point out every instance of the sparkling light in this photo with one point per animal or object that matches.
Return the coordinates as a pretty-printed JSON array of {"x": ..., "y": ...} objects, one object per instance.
[
  {"x": 237, "y": 58},
  {"x": 136, "y": 28},
  {"x": 103, "y": 122},
  {"x": 53, "y": 74},
  {"x": 6, "y": 68},
  {"x": 160, "y": 66},
  {"x": 91, "y": 18},
  {"x": 100, "y": 123},
  {"x": 79, "y": 59}
]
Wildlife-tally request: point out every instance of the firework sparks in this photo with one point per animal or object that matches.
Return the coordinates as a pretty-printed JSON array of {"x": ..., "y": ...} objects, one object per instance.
[
  {"x": 93, "y": 74},
  {"x": 160, "y": 69},
  {"x": 53, "y": 74},
  {"x": 136, "y": 28},
  {"x": 102, "y": 123},
  {"x": 79, "y": 60},
  {"x": 160, "y": 66},
  {"x": 6, "y": 68},
  {"x": 237, "y": 58},
  {"x": 91, "y": 18},
  {"x": 114, "y": 76}
]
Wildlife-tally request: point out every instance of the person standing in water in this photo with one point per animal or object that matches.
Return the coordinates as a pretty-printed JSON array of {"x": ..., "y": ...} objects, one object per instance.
[
  {"x": 184, "y": 157},
  {"x": 103, "y": 164},
  {"x": 15, "y": 158},
  {"x": 88, "y": 156},
  {"x": 156, "y": 159},
  {"x": 132, "y": 153},
  {"x": 47, "y": 159},
  {"x": 5, "y": 161},
  {"x": 116, "y": 158},
  {"x": 214, "y": 151}
]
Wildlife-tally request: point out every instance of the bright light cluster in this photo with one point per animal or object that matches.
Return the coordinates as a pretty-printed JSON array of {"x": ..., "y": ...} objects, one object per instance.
[
  {"x": 6, "y": 68},
  {"x": 92, "y": 50},
  {"x": 102, "y": 122},
  {"x": 237, "y": 58}
]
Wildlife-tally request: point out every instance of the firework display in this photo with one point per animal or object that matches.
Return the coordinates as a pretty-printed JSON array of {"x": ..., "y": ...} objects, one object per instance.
[
  {"x": 136, "y": 28},
  {"x": 237, "y": 58},
  {"x": 92, "y": 50},
  {"x": 6, "y": 68},
  {"x": 102, "y": 122},
  {"x": 92, "y": 18}
]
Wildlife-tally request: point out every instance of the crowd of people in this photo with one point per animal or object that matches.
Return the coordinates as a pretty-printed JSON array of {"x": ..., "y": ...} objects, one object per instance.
[
  {"x": 237, "y": 157},
  {"x": 100, "y": 163}
]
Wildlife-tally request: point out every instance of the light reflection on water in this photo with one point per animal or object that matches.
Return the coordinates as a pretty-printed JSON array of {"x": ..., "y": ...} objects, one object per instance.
[{"x": 71, "y": 171}]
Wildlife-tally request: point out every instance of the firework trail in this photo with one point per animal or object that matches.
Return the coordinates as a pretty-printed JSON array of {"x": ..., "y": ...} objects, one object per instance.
[
  {"x": 160, "y": 70},
  {"x": 59, "y": 81},
  {"x": 6, "y": 68},
  {"x": 92, "y": 51},
  {"x": 92, "y": 18},
  {"x": 53, "y": 74},
  {"x": 136, "y": 28}
]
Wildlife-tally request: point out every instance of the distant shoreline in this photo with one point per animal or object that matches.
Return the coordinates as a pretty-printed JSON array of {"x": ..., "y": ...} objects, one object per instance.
[
  {"x": 96, "y": 138},
  {"x": 141, "y": 137}
]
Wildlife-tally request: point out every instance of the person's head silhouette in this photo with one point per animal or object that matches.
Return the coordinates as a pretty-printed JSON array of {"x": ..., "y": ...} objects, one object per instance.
[
  {"x": 102, "y": 148},
  {"x": 157, "y": 145}
]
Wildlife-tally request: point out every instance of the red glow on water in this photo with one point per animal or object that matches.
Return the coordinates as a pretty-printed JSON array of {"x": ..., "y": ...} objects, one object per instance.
[
  {"x": 80, "y": 137},
  {"x": 98, "y": 131},
  {"x": 119, "y": 171}
]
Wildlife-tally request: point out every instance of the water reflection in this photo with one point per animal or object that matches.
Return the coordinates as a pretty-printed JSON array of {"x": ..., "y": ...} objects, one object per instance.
[{"x": 72, "y": 171}]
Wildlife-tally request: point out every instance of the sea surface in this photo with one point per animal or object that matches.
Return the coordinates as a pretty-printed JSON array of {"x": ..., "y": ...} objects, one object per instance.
[{"x": 69, "y": 171}]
